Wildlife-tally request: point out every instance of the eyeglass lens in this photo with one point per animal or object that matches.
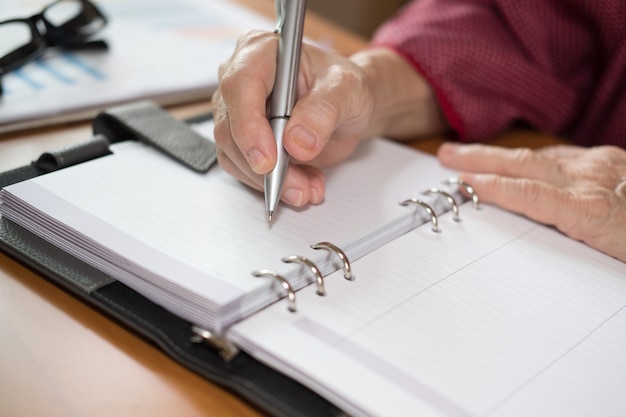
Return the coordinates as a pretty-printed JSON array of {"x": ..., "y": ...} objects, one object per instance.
[
  {"x": 14, "y": 35},
  {"x": 62, "y": 12}
]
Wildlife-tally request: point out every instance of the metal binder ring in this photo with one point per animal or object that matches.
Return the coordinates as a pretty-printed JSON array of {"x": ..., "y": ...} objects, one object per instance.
[
  {"x": 347, "y": 269},
  {"x": 226, "y": 349},
  {"x": 283, "y": 282},
  {"x": 429, "y": 210},
  {"x": 451, "y": 200},
  {"x": 470, "y": 190},
  {"x": 316, "y": 272}
]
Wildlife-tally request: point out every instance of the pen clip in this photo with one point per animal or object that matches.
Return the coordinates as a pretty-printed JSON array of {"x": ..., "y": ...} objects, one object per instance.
[{"x": 279, "y": 7}]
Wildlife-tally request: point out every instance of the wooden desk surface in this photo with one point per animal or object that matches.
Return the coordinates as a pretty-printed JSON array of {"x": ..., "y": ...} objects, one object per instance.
[{"x": 62, "y": 358}]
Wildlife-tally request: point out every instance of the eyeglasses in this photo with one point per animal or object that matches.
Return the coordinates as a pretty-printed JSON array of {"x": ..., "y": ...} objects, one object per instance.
[{"x": 67, "y": 24}]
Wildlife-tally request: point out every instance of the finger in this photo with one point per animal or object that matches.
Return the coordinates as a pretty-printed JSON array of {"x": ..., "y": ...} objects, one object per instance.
[
  {"x": 332, "y": 104},
  {"x": 515, "y": 163},
  {"x": 245, "y": 85},
  {"x": 534, "y": 199},
  {"x": 303, "y": 185},
  {"x": 234, "y": 168},
  {"x": 312, "y": 123},
  {"x": 561, "y": 151},
  {"x": 223, "y": 139},
  {"x": 221, "y": 123}
]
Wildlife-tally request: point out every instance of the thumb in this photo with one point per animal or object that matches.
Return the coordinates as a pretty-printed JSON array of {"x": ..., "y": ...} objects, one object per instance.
[{"x": 313, "y": 120}]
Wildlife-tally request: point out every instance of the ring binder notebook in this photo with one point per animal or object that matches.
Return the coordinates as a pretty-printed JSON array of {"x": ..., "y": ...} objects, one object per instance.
[
  {"x": 347, "y": 268},
  {"x": 112, "y": 228},
  {"x": 514, "y": 305},
  {"x": 461, "y": 318}
]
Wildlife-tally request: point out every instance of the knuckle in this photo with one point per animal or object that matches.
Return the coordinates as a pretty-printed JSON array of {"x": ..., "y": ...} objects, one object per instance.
[
  {"x": 586, "y": 214},
  {"x": 250, "y": 36},
  {"x": 228, "y": 78},
  {"x": 608, "y": 150},
  {"x": 610, "y": 156},
  {"x": 341, "y": 78},
  {"x": 539, "y": 165},
  {"x": 599, "y": 203},
  {"x": 530, "y": 192},
  {"x": 225, "y": 162},
  {"x": 620, "y": 190},
  {"x": 221, "y": 133},
  {"x": 522, "y": 156},
  {"x": 328, "y": 108},
  {"x": 345, "y": 75}
]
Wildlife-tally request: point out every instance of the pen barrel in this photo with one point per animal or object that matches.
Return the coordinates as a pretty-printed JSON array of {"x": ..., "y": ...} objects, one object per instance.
[
  {"x": 288, "y": 60},
  {"x": 274, "y": 179}
]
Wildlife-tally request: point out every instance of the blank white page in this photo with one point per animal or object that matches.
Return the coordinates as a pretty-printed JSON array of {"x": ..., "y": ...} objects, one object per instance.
[{"x": 495, "y": 315}]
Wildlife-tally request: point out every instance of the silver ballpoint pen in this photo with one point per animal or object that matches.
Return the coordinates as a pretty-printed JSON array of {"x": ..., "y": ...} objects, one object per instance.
[{"x": 290, "y": 23}]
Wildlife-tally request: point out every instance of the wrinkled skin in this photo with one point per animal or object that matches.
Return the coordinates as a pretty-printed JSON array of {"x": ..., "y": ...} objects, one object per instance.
[{"x": 580, "y": 191}]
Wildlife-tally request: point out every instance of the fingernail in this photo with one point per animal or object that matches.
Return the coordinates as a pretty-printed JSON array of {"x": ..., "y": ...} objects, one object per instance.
[
  {"x": 293, "y": 197},
  {"x": 303, "y": 137},
  {"x": 256, "y": 159},
  {"x": 315, "y": 196}
]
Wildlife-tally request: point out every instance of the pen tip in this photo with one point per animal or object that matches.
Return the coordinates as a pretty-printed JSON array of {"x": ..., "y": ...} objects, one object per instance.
[{"x": 269, "y": 216}]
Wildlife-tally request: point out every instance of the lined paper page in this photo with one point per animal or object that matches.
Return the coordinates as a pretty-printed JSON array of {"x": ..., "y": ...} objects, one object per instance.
[
  {"x": 493, "y": 316},
  {"x": 194, "y": 239}
]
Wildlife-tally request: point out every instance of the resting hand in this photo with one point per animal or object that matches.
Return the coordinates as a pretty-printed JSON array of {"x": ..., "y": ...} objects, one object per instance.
[
  {"x": 580, "y": 191},
  {"x": 340, "y": 102}
]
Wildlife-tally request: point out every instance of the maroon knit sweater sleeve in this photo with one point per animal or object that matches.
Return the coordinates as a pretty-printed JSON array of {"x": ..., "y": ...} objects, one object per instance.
[{"x": 559, "y": 65}]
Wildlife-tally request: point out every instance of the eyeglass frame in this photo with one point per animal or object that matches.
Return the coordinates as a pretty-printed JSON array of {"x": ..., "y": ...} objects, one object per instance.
[{"x": 67, "y": 36}]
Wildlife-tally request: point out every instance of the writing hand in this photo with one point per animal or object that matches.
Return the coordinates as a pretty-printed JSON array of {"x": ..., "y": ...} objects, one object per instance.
[
  {"x": 580, "y": 191},
  {"x": 341, "y": 101},
  {"x": 333, "y": 102}
]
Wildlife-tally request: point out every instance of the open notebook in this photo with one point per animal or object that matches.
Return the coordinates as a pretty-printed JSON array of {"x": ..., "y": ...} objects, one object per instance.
[
  {"x": 191, "y": 241},
  {"x": 491, "y": 315}
]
